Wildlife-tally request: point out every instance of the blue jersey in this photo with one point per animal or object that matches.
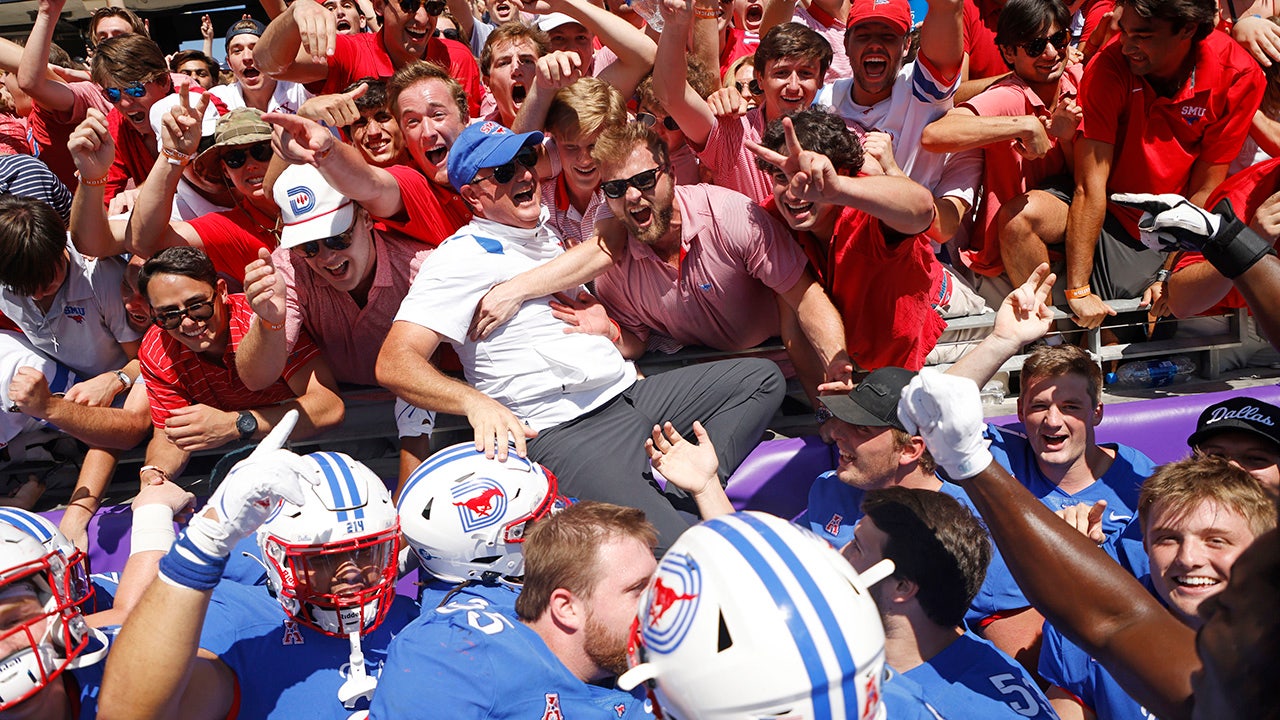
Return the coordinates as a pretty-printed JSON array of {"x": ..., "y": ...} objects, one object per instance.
[
  {"x": 105, "y": 586},
  {"x": 970, "y": 673},
  {"x": 904, "y": 698},
  {"x": 474, "y": 659},
  {"x": 501, "y": 596},
  {"x": 1066, "y": 665},
  {"x": 286, "y": 670},
  {"x": 84, "y": 683},
  {"x": 1119, "y": 485},
  {"x": 834, "y": 508}
]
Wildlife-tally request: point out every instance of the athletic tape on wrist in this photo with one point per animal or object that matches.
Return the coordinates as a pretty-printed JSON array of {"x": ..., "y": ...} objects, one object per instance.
[
  {"x": 152, "y": 529},
  {"x": 189, "y": 566}
]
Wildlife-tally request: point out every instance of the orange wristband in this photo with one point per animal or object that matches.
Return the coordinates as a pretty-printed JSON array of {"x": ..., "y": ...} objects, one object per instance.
[{"x": 1081, "y": 292}]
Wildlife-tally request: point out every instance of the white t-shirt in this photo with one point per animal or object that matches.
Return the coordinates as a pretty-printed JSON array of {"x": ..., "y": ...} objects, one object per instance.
[
  {"x": 541, "y": 373},
  {"x": 287, "y": 98},
  {"x": 918, "y": 99}
]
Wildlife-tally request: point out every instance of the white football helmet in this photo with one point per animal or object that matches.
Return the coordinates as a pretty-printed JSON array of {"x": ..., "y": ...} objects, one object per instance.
[
  {"x": 48, "y": 535},
  {"x": 465, "y": 515},
  {"x": 331, "y": 562},
  {"x": 750, "y": 616},
  {"x": 48, "y": 633}
]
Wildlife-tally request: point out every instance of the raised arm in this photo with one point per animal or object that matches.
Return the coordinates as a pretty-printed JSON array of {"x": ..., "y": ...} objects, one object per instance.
[
  {"x": 298, "y": 43},
  {"x": 635, "y": 50},
  {"x": 694, "y": 468},
  {"x": 263, "y": 353},
  {"x": 1022, "y": 318},
  {"x": 1076, "y": 586},
  {"x": 555, "y": 70},
  {"x": 671, "y": 76},
  {"x": 942, "y": 37},
  {"x": 93, "y": 152},
  {"x": 33, "y": 70}
]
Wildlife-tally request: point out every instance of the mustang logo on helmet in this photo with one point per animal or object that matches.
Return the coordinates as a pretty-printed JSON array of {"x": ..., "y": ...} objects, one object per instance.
[{"x": 481, "y": 502}]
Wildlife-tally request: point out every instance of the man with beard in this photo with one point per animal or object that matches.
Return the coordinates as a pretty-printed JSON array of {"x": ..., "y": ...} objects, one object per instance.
[
  {"x": 254, "y": 88},
  {"x": 585, "y": 569}
]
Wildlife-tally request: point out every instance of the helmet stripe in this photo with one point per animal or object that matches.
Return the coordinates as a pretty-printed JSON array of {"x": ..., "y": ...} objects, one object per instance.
[
  {"x": 326, "y": 462},
  {"x": 448, "y": 455},
  {"x": 731, "y": 530},
  {"x": 26, "y": 524}
]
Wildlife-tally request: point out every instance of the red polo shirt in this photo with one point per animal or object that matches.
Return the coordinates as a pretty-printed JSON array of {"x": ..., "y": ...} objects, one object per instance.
[
  {"x": 979, "y": 20},
  {"x": 178, "y": 377},
  {"x": 1157, "y": 140},
  {"x": 431, "y": 212},
  {"x": 364, "y": 55}
]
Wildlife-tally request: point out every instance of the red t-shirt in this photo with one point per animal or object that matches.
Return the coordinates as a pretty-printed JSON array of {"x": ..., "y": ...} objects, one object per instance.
[
  {"x": 736, "y": 47},
  {"x": 365, "y": 55},
  {"x": 980, "y": 19},
  {"x": 177, "y": 377},
  {"x": 431, "y": 212},
  {"x": 1092, "y": 11},
  {"x": 1246, "y": 190},
  {"x": 1157, "y": 140},
  {"x": 51, "y": 129},
  {"x": 885, "y": 293},
  {"x": 232, "y": 238}
]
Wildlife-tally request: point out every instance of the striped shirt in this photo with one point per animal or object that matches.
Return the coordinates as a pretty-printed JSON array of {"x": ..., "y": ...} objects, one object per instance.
[
  {"x": 26, "y": 176},
  {"x": 732, "y": 165}
]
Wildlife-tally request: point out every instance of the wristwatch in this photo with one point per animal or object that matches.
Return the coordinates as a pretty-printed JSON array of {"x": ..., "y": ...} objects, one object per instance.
[{"x": 246, "y": 424}]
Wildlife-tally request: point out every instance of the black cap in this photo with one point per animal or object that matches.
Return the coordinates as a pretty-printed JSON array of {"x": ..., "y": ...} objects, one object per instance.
[
  {"x": 245, "y": 26},
  {"x": 1242, "y": 415},
  {"x": 874, "y": 403}
]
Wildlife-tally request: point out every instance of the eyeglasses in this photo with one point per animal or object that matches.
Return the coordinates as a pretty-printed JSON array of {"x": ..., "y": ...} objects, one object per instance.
[
  {"x": 136, "y": 90},
  {"x": 1035, "y": 48},
  {"x": 336, "y": 243},
  {"x": 649, "y": 119},
  {"x": 236, "y": 157},
  {"x": 171, "y": 319},
  {"x": 505, "y": 173},
  {"x": 435, "y": 8},
  {"x": 640, "y": 181},
  {"x": 450, "y": 33}
]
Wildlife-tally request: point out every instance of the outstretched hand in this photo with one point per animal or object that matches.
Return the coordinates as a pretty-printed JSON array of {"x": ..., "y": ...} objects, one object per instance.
[
  {"x": 91, "y": 146},
  {"x": 693, "y": 468},
  {"x": 298, "y": 139},
  {"x": 1025, "y": 315}
]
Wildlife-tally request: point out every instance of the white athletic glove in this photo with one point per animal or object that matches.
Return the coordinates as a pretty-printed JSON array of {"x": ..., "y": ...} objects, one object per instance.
[
  {"x": 947, "y": 412},
  {"x": 250, "y": 492},
  {"x": 1169, "y": 222}
]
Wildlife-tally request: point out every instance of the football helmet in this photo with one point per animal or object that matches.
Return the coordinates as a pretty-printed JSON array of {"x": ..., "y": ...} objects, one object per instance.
[
  {"x": 48, "y": 535},
  {"x": 465, "y": 515},
  {"x": 48, "y": 633},
  {"x": 750, "y": 616},
  {"x": 331, "y": 562}
]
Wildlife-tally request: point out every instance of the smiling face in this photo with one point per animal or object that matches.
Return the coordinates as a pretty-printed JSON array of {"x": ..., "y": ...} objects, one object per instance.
[
  {"x": 137, "y": 110},
  {"x": 240, "y": 60},
  {"x": 247, "y": 179},
  {"x": 405, "y": 35},
  {"x": 876, "y": 52},
  {"x": 1151, "y": 47},
  {"x": 869, "y": 456},
  {"x": 352, "y": 269},
  {"x": 790, "y": 85},
  {"x": 377, "y": 136},
  {"x": 167, "y": 293},
  {"x": 350, "y": 21},
  {"x": 580, "y": 170},
  {"x": 1060, "y": 418},
  {"x": 430, "y": 121},
  {"x": 1192, "y": 552},
  {"x": 646, "y": 214},
  {"x": 513, "y": 203},
  {"x": 1042, "y": 69},
  {"x": 798, "y": 214},
  {"x": 511, "y": 73}
]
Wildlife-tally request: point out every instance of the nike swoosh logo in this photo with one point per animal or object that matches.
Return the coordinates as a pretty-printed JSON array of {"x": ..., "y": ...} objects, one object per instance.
[{"x": 1119, "y": 518}]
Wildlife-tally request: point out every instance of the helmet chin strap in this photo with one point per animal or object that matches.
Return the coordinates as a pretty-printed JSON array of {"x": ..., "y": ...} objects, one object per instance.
[{"x": 359, "y": 684}]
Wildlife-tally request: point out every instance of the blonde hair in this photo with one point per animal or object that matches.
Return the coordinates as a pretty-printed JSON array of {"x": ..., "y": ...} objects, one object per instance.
[{"x": 584, "y": 108}]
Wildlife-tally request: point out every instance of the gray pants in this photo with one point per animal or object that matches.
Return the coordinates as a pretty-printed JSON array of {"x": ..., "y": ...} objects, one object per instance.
[{"x": 601, "y": 455}]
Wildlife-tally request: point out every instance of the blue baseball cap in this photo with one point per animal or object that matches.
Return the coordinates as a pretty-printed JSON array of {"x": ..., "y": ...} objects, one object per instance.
[{"x": 484, "y": 145}]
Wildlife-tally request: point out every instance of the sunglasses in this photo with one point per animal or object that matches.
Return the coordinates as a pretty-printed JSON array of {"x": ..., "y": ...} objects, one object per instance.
[
  {"x": 649, "y": 119},
  {"x": 641, "y": 181},
  {"x": 236, "y": 157},
  {"x": 136, "y": 90},
  {"x": 336, "y": 243},
  {"x": 171, "y": 319},
  {"x": 1035, "y": 48},
  {"x": 435, "y": 8},
  {"x": 505, "y": 173},
  {"x": 450, "y": 33}
]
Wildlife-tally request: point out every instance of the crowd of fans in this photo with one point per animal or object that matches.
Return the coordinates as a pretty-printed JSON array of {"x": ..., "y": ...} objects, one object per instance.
[{"x": 492, "y": 211}]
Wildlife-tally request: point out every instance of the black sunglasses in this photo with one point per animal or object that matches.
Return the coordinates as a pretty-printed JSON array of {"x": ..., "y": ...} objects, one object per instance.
[
  {"x": 650, "y": 119},
  {"x": 1035, "y": 48},
  {"x": 450, "y": 33},
  {"x": 235, "y": 158},
  {"x": 505, "y": 173},
  {"x": 171, "y": 319},
  {"x": 640, "y": 181},
  {"x": 434, "y": 8},
  {"x": 336, "y": 243}
]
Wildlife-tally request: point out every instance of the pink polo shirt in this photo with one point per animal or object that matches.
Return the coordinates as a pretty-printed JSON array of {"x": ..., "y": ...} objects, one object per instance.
[
  {"x": 731, "y": 164},
  {"x": 572, "y": 226},
  {"x": 734, "y": 260},
  {"x": 349, "y": 336},
  {"x": 833, "y": 30},
  {"x": 1006, "y": 174}
]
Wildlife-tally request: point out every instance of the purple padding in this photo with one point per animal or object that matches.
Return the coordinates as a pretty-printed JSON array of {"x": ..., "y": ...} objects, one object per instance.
[
  {"x": 776, "y": 476},
  {"x": 108, "y": 536},
  {"x": 1160, "y": 427}
]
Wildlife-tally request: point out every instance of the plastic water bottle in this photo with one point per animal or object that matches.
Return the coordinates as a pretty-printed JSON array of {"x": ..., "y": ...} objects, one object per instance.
[
  {"x": 1152, "y": 373},
  {"x": 650, "y": 10}
]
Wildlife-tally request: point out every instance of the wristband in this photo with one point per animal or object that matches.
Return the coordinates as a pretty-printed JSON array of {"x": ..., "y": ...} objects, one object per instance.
[
  {"x": 96, "y": 182},
  {"x": 180, "y": 159},
  {"x": 186, "y": 565},
  {"x": 703, "y": 13},
  {"x": 157, "y": 468},
  {"x": 268, "y": 324},
  {"x": 1162, "y": 275},
  {"x": 124, "y": 379},
  {"x": 1083, "y": 291},
  {"x": 1236, "y": 248},
  {"x": 152, "y": 529}
]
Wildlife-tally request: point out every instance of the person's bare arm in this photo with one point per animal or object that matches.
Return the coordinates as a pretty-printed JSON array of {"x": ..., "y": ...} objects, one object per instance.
[
  {"x": 461, "y": 12},
  {"x": 1260, "y": 286},
  {"x": 1195, "y": 288},
  {"x": 1084, "y": 223},
  {"x": 960, "y": 129},
  {"x": 694, "y": 468},
  {"x": 168, "y": 459},
  {"x": 1266, "y": 132},
  {"x": 405, "y": 369},
  {"x": 297, "y": 44},
  {"x": 33, "y": 68},
  {"x": 1022, "y": 318},
  {"x": 555, "y": 70},
  {"x": 149, "y": 228},
  {"x": 635, "y": 50},
  {"x": 776, "y": 12},
  {"x": 1205, "y": 178},
  {"x": 970, "y": 88},
  {"x": 942, "y": 37},
  {"x": 671, "y": 76},
  {"x": 93, "y": 152},
  {"x": 824, "y": 329},
  {"x": 104, "y": 427},
  {"x": 263, "y": 352}
]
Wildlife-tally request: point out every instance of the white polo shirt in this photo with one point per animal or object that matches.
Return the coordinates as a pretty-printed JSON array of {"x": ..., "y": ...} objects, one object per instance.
[
  {"x": 541, "y": 373},
  {"x": 287, "y": 97},
  {"x": 85, "y": 324}
]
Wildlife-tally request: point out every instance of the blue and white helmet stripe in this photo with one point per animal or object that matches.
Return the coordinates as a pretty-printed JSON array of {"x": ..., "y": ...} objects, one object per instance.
[
  {"x": 460, "y": 451},
  {"x": 809, "y": 616},
  {"x": 340, "y": 491},
  {"x": 30, "y": 523}
]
